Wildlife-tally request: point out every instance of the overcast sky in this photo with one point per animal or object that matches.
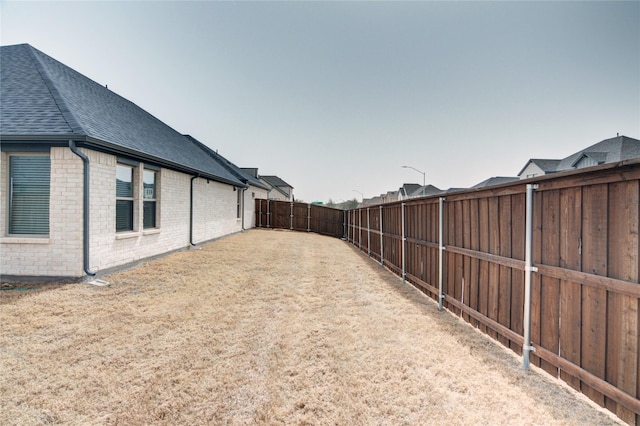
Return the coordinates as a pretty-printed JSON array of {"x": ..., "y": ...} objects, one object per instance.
[{"x": 336, "y": 96}]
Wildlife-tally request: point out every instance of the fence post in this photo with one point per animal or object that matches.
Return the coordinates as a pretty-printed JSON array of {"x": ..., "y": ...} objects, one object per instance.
[
  {"x": 381, "y": 239},
  {"x": 308, "y": 217},
  {"x": 344, "y": 225},
  {"x": 404, "y": 243},
  {"x": 527, "y": 348},
  {"x": 291, "y": 218},
  {"x": 368, "y": 234},
  {"x": 268, "y": 214},
  {"x": 440, "y": 251},
  {"x": 360, "y": 229},
  {"x": 260, "y": 215}
]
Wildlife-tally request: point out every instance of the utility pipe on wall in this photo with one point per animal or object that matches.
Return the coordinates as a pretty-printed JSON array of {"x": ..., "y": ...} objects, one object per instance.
[
  {"x": 527, "y": 348},
  {"x": 191, "y": 211},
  {"x": 242, "y": 206},
  {"x": 440, "y": 251},
  {"x": 85, "y": 206}
]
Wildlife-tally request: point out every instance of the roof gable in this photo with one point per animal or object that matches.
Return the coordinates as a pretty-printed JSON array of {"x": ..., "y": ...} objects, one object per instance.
[
  {"x": 425, "y": 191},
  {"x": 408, "y": 188},
  {"x": 546, "y": 165},
  {"x": 606, "y": 151}
]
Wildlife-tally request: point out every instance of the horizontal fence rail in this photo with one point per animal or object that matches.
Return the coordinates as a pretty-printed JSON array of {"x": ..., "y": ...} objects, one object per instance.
[
  {"x": 568, "y": 282},
  {"x": 300, "y": 217}
]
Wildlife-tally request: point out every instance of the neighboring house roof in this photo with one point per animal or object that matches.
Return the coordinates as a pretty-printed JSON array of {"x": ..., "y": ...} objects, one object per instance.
[
  {"x": 407, "y": 189},
  {"x": 253, "y": 171},
  {"x": 45, "y": 99},
  {"x": 276, "y": 181},
  {"x": 597, "y": 157},
  {"x": 496, "y": 180},
  {"x": 239, "y": 173},
  {"x": 278, "y": 184},
  {"x": 425, "y": 191},
  {"x": 548, "y": 166},
  {"x": 606, "y": 151},
  {"x": 372, "y": 201}
]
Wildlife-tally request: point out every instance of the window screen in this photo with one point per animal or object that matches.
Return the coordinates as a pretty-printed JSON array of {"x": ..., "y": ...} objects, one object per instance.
[
  {"x": 29, "y": 191},
  {"x": 124, "y": 198}
]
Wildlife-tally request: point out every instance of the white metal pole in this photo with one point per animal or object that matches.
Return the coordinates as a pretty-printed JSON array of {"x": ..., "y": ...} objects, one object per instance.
[
  {"x": 404, "y": 239},
  {"x": 260, "y": 213},
  {"x": 360, "y": 229},
  {"x": 308, "y": 217},
  {"x": 381, "y": 240},
  {"x": 440, "y": 252},
  {"x": 291, "y": 217},
  {"x": 527, "y": 348},
  {"x": 368, "y": 234},
  {"x": 268, "y": 214}
]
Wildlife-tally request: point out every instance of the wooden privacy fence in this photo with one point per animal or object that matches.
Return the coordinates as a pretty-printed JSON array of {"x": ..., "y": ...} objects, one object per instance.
[
  {"x": 548, "y": 266},
  {"x": 300, "y": 217},
  {"x": 574, "y": 296}
]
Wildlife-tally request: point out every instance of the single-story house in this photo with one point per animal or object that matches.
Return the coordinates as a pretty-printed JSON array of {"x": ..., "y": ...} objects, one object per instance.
[
  {"x": 607, "y": 151},
  {"x": 91, "y": 182}
]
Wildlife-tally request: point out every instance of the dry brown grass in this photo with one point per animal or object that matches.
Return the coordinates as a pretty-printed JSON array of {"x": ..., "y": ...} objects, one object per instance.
[{"x": 267, "y": 327}]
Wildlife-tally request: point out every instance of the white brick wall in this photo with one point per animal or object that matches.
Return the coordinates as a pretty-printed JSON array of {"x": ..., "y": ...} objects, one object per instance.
[
  {"x": 250, "y": 205},
  {"x": 57, "y": 254},
  {"x": 61, "y": 254}
]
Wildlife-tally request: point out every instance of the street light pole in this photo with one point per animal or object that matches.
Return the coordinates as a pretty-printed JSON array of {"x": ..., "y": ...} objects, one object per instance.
[
  {"x": 419, "y": 171},
  {"x": 361, "y": 194}
]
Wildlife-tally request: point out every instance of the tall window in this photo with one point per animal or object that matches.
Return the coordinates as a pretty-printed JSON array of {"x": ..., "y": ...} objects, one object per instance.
[
  {"x": 239, "y": 203},
  {"x": 29, "y": 189},
  {"x": 124, "y": 198},
  {"x": 149, "y": 196}
]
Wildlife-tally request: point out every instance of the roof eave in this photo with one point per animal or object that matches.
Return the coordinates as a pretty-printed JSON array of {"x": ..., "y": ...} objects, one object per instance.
[{"x": 89, "y": 142}]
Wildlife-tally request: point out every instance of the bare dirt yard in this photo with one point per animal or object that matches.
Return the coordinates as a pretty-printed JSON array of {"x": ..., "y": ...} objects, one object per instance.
[{"x": 264, "y": 327}]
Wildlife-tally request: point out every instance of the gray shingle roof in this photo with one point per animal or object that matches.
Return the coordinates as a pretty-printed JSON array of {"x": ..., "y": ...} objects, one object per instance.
[
  {"x": 409, "y": 188},
  {"x": 607, "y": 151},
  {"x": 426, "y": 191},
  {"x": 239, "y": 173},
  {"x": 496, "y": 180},
  {"x": 275, "y": 181},
  {"x": 43, "y": 97}
]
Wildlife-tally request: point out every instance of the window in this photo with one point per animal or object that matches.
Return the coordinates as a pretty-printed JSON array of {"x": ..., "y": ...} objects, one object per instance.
[
  {"x": 149, "y": 196},
  {"x": 239, "y": 203},
  {"x": 29, "y": 189},
  {"x": 124, "y": 198}
]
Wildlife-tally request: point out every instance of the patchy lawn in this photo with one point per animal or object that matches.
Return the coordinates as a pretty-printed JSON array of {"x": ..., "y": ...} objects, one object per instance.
[{"x": 269, "y": 327}]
